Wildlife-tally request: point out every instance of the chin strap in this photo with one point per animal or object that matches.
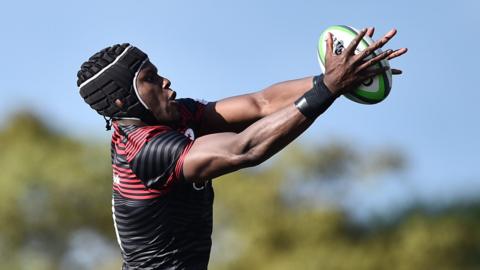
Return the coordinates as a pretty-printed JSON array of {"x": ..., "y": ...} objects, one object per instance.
[{"x": 108, "y": 121}]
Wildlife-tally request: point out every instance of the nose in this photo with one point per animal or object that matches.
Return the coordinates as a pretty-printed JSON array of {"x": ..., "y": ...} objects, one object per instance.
[{"x": 166, "y": 83}]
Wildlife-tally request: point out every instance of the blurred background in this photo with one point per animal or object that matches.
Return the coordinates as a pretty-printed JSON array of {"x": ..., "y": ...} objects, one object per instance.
[{"x": 390, "y": 186}]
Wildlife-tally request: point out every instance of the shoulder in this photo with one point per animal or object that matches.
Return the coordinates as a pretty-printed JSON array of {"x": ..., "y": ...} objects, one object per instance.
[
  {"x": 136, "y": 137},
  {"x": 154, "y": 154},
  {"x": 157, "y": 160},
  {"x": 192, "y": 112},
  {"x": 193, "y": 106}
]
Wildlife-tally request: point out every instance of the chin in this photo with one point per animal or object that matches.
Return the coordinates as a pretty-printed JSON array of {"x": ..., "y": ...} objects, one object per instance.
[{"x": 171, "y": 118}]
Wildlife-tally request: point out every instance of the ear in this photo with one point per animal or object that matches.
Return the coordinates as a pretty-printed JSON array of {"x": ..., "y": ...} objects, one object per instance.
[{"x": 119, "y": 103}]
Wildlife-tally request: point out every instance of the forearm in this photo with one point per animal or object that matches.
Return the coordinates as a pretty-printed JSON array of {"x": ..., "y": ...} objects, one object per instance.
[
  {"x": 270, "y": 134},
  {"x": 275, "y": 131},
  {"x": 234, "y": 114},
  {"x": 280, "y": 95},
  {"x": 216, "y": 154}
]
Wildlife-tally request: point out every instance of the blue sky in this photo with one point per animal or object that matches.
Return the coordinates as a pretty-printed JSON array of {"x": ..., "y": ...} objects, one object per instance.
[{"x": 215, "y": 49}]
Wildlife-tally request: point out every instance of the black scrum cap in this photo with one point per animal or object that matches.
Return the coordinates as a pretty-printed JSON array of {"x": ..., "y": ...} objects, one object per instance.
[{"x": 109, "y": 75}]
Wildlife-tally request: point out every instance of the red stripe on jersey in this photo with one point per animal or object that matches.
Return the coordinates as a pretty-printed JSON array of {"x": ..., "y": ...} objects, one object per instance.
[
  {"x": 140, "y": 194},
  {"x": 131, "y": 181},
  {"x": 127, "y": 186},
  {"x": 140, "y": 136},
  {"x": 127, "y": 179},
  {"x": 123, "y": 175},
  {"x": 136, "y": 140},
  {"x": 179, "y": 166},
  {"x": 122, "y": 170},
  {"x": 120, "y": 151}
]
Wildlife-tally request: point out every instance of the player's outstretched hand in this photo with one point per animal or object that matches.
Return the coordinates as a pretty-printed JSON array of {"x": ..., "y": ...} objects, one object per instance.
[
  {"x": 347, "y": 70},
  {"x": 396, "y": 53}
]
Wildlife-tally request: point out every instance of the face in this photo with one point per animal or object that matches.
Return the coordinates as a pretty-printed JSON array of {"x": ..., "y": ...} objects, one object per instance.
[{"x": 155, "y": 91}]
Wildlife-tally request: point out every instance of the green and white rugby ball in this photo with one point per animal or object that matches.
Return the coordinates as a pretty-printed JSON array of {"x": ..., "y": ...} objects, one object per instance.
[{"x": 370, "y": 91}]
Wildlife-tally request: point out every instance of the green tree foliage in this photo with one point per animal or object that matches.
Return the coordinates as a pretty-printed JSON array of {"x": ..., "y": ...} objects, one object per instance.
[
  {"x": 271, "y": 233},
  {"x": 50, "y": 186},
  {"x": 55, "y": 192}
]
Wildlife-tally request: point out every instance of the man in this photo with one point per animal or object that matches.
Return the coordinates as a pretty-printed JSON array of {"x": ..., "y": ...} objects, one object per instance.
[{"x": 165, "y": 151}]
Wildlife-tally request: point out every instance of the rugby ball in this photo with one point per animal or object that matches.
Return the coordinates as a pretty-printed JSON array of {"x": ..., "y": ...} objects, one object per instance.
[{"x": 370, "y": 91}]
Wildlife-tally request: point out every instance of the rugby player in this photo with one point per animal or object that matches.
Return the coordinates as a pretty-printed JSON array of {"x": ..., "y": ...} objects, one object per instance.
[{"x": 165, "y": 151}]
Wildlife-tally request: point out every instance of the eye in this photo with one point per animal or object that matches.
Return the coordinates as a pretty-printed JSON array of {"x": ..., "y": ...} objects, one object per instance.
[{"x": 150, "y": 79}]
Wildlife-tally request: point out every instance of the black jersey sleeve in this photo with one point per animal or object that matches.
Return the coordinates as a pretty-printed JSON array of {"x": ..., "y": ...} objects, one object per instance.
[
  {"x": 157, "y": 160},
  {"x": 192, "y": 112}
]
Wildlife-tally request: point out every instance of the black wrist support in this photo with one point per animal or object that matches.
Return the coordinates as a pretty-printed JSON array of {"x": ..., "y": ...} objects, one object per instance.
[{"x": 317, "y": 100}]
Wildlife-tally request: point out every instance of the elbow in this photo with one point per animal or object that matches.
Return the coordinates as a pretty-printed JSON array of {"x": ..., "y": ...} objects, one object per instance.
[
  {"x": 248, "y": 153},
  {"x": 261, "y": 104},
  {"x": 251, "y": 158}
]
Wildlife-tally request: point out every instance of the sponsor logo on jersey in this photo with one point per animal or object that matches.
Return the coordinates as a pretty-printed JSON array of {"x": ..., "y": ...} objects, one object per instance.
[{"x": 116, "y": 179}]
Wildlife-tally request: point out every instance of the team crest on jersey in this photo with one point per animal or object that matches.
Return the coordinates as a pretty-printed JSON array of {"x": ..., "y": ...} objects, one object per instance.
[{"x": 190, "y": 134}]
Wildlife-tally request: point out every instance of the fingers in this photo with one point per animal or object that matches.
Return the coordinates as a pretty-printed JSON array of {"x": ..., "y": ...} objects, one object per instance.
[
  {"x": 372, "y": 72},
  {"x": 387, "y": 54},
  {"x": 396, "y": 71},
  {"x": 353, "y": 45},
  {"x": 397, "y": 53},
  {"x": 378, "y": 44},
  {"x": 375, "y": 60},
  {"x": 329, "y": 50},
  {"x": 370, "y": 31}
]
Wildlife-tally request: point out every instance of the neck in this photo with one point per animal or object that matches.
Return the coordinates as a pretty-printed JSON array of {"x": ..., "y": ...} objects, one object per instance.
[{"x": 127, "y": 121}]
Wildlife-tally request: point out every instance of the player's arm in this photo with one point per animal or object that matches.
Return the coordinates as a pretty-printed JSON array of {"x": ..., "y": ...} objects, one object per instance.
[
  {"x": 214, "y": 155},
  {"x": 217, "y": 154},
  {"x": 234, "y": 114}
]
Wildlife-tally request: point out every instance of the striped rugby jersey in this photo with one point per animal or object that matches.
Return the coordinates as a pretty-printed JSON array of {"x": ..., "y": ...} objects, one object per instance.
[{"x": 161, "y": 221}]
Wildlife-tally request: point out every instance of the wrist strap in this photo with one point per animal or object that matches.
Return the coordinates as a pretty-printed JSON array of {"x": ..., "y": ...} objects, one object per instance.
[{"x": 317, "y": 100}]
